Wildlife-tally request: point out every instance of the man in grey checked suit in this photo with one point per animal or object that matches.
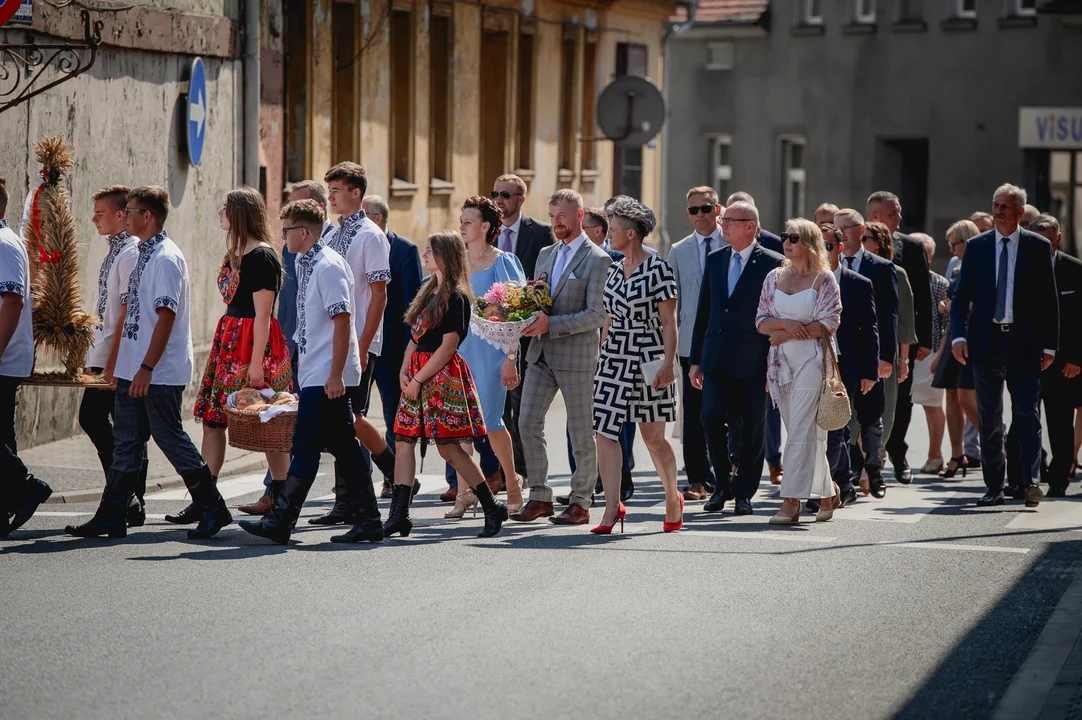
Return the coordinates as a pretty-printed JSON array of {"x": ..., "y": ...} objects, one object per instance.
[
  {"x": 688, "y": 259},
  {"x": 563, "y": 356}
]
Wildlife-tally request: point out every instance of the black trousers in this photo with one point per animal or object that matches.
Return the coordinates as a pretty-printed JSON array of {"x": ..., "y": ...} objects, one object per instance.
[
  {"x": 868, "y": 413},
  {"x": 838, "y": 458},
  {"x": 96, "y": 420},
  {"x": 896, "y": 445},
  {"x": 1060, "y": 397},
  {"x": 735, "y": 407},
  {"x": 696, "y": 457},
  {"x": 13, "y": 474}
]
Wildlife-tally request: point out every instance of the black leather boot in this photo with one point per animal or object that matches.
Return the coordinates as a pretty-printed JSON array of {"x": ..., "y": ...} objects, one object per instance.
[
  {"x": 362, "y": 501},
  {"x": 214, "y": 515},
  {"x": 30, "y": 494},
  {"x": 495, "y": 511},
  {"x": 137, "y": 515},
  {"x": 278, "y": 523},
  {"x": 342, "y": 512},
  {"x": 398, "y": 519},
  {"x": 111, "y": 516}
]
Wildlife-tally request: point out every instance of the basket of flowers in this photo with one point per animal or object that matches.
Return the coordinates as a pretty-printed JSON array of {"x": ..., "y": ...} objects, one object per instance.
[
  {"x": 261, "y": 420},
  {"x": 504, "y": 312}
]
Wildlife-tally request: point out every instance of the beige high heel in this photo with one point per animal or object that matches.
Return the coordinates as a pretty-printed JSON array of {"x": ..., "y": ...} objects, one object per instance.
[
  {"x": 516, "y": 490},
  {"x": 463, "y": 502},
  {"x": 825, "y": 515},
  {"x": 782, "y": 519}
]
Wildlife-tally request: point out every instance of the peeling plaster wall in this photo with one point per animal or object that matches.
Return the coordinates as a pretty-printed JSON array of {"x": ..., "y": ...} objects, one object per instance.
[{"x": 124, "y": 119}]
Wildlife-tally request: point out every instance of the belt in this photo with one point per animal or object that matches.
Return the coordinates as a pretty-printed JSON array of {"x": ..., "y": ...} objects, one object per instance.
[{"x": 1003, "y": 327}]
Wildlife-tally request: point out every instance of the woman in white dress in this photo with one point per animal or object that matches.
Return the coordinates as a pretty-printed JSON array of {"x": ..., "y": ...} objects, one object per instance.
[{"x": 800, "y": 302}]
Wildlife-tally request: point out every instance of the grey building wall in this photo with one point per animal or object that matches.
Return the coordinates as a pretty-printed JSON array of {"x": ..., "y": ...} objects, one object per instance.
[
  {"x": 844, "y": 92},
  {"x": 124, "y": 119}
]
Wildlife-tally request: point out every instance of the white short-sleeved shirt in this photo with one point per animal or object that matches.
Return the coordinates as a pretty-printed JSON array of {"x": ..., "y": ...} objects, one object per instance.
[
  {"x": 112, "y": 293},
  {"x": 324, "y": 289},
  {"x": 368, "y": 253},
  {"x": 18, "y": 359},
  {"x": 158, "y": 280}
]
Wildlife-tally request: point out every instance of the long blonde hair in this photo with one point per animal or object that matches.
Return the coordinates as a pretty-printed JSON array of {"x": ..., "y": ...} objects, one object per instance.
[
  {"x": 434, "y": 297},
  {"x": 247, "y": 215},
  {"x": 811, "y": 237}
]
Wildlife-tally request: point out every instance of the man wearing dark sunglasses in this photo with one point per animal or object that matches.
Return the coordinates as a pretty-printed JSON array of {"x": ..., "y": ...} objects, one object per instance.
[{"x": 523, "y": 236}]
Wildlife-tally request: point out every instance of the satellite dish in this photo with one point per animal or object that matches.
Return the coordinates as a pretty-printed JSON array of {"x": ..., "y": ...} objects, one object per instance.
[{"x": 631, "y": 110}]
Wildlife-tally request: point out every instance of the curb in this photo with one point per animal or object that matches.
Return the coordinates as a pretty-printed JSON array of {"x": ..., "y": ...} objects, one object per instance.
[
  {"x": 1028, "y": 694},
  {"x": 165, "y": 482}
]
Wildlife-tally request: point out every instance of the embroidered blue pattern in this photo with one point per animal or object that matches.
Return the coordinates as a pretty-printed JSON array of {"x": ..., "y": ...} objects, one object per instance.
[
  {"x": 378, "y": 276},
  {"x": 11, "y": 287},
  {"x": 306, "y": 263},
  {"x": 116, "y": 244},
  {"x": 337, "y": 309},
  {"x": 3, "y": 223},
  {"x": 166, "y": 302},
  {"x": 146, "y": 251},
  {"x": 346, "y": 233}
]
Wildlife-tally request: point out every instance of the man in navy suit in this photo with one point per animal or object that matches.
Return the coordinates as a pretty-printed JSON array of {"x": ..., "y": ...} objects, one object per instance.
[
  {"x": 1011, "y": 335},
  {"x": 868, "y": 408},
  {"x": 858, "y": 359},
  {"x": 733, "y": 381},
  {"x": 405, "y": 281},
  {"x": 770, "y": 241}
]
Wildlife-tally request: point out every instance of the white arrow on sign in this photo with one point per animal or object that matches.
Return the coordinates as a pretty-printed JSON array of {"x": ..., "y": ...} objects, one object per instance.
[{"x": 199, "y": 113}]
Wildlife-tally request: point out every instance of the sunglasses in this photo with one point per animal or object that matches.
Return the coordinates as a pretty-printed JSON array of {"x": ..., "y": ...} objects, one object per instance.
[
  {"x": 831, "y": 245},
  {"x": 791, "y": 238},
  {"x": 503, "y": 194},
  {"x": 704, "y": 209}
]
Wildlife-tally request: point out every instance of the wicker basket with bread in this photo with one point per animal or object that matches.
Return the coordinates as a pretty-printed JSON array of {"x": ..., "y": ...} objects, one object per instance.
[{"x": 261, "y": 420}]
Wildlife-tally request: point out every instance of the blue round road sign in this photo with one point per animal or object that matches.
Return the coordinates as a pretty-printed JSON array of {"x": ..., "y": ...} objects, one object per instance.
[{"x": 197, "y": 111}]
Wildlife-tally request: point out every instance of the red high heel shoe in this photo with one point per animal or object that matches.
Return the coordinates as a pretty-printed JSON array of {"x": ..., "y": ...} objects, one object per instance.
[
  {"x": 672, "y": 526},
  {"x": 607, "y": 529}
]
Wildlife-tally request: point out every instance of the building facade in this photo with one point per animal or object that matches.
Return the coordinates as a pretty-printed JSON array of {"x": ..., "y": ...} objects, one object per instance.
[
  {"x": 801, "y": 102},
  {"x": 435, "y": 99}
]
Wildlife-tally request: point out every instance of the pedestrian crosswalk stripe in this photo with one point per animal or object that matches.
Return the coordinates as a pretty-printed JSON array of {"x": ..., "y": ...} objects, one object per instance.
[
  {"x": 229, "y": 488},
  {"x": 902, "y": 504},
  {"x": 1056, "y": 514},
  {"x": 954, "y": 546}
]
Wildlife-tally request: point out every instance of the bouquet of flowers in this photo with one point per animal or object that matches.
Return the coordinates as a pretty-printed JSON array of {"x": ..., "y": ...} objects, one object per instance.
[{"x": 506, "y": 310}]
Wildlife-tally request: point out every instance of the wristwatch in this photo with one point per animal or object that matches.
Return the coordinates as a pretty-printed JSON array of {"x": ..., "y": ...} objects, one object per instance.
[{"x": 512, "y": 356}]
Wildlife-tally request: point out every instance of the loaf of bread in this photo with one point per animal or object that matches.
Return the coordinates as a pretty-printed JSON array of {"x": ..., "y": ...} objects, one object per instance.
[
  {"x": 258, "y": 407},
  {"x": 283, "y": 398},
  {"x": 248, "y": 397}
]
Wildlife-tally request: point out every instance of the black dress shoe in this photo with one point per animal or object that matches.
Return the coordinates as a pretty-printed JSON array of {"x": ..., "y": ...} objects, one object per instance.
[
  {"x": 991, "y": 499},
  {"x": 137, "y": 514},
  {"x": 877, "y": 486},
  {"x": 973, "y": 463},
  {"x": 34, "y": 493},
  {"x": 813, "y": 505},
  {"x": 362, "y": 532},
  {"x": 743, "y": 507},
  {"x": 1015, "y": 492},
  {"x": 627, "y": 487},
  {"x": 848, "y": 497},
  {"x": 187, "y": 516},
  {"x": 1056, "y": 492},
  {"x": 903, "y": 473},
  {"x": 717, "y": 501},
  {"x": 598, "y": 487},
  {"x": 1034, "y": 496},
  {"x": 340, "y": 514}
]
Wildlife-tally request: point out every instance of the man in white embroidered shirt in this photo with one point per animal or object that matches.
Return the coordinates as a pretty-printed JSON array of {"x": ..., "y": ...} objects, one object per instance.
[
  {"x": 330, "y": 369},
  {"x": 20, "y": 492},
  {"x": 96, "y": 409},
  {"x": 367, "y": 253},
  {"x": 154, "y": 363}
]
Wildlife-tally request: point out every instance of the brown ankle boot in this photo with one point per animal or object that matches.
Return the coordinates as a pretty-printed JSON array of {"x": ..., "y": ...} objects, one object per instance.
[{"x": 260, "y": 506}]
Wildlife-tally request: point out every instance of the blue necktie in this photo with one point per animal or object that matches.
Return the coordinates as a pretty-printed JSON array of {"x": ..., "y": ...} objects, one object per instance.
[
  {"x": 561, "y": 261},
  {"x": 1001, "y": 284},
  {"x": 707, "y": 253},
  {"x": 734, "y": 273}
]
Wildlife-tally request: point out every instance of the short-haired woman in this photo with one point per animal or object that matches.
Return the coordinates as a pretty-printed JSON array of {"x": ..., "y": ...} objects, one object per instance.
[
  {"x": 949, "y": 374},
  {"x": 800, "y": 304},
  {"x": 640, "y": 300}
]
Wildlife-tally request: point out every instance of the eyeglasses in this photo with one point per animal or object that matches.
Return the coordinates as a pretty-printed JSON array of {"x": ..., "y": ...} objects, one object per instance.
[
  {"x": 704, "y": 209},
  {"x": 590, "y": 227},
  {"x": 730, "y": 221},
  {"x": 503, "y": 194},
  {"x": 285, "y": 230},
  {"x": 869, "y": 238},
  {"x": 130, "y": 211},
  {"x": 831, "y": 245},
  {"x": 791, "y": 238},
  {"x": 956, "y": 243}
]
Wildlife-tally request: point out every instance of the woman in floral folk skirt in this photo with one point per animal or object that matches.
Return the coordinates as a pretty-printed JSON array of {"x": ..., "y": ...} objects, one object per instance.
[{"x": 439, "y": 398}]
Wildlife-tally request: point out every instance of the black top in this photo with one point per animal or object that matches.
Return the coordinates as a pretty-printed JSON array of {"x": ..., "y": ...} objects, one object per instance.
[
  {"x": 259, "y": 270},
  {"x": 456, "y": 319}
]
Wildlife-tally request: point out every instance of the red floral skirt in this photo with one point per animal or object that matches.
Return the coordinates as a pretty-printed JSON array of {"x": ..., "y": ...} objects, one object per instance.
[
  {"x": 227, "y": 366},
  {"x": 447, "y": 409}
]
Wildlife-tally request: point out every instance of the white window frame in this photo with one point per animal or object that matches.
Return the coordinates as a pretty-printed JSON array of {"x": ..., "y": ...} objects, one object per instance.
[
  {"x": 790, "y": 176},
  {"x": 807, "y": 16},
  {"x": 959, "y": 11},
  {"x": 720, "y": 173},
  {"x": 860, "y": 17},
  {"x": 1015, "y": 9}
]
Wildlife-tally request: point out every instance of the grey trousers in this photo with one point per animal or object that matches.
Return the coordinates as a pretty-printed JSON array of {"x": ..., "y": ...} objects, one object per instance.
[{"x": 538, "y": 392}]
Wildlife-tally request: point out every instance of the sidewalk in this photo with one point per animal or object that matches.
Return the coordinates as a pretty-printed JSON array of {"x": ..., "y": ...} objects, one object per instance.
[
  {"x": 72, "y": 469},
  {"x": 1049, "y": 684}
]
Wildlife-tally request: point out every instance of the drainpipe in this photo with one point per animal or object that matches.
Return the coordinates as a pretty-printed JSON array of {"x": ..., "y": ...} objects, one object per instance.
[
  {"x": 251, "y": 93},
  {"x": 693, "y": 7}
]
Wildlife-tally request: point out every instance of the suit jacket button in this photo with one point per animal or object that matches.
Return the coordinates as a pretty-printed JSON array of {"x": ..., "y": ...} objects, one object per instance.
[{"x": 726, "y": 309}]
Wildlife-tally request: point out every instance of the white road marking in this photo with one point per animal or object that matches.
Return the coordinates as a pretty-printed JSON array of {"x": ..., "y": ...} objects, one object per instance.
[
  {"x": 51, "y": 513},
  {"x": 902, "y": 504},
  {"x": 230, "y": 488},
  {"x": 954, "y": 546},
  {"x": 1057, "y": 514},
  {"x": 762, "y": 535}
]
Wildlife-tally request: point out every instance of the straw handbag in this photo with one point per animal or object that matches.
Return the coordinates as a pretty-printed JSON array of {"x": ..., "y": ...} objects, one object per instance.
[{"x": 834, "y": 411}]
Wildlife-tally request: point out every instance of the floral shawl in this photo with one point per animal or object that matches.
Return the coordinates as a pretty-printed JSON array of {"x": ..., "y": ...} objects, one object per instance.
[{"x": 828, "y": 312}]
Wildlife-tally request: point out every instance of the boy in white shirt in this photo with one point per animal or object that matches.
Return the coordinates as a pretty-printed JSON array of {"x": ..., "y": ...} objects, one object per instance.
[
  {"x": 154, "y": 363},
  {"x": 329, "y": 371},
  {"x": 96, "y": 409},
  {"x": 368, "y": 255},
  {"x": 20, "y": 492}
]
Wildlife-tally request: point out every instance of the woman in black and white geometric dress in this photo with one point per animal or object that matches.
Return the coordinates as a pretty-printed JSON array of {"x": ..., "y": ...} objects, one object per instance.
[{"x": 640, "y": 300}]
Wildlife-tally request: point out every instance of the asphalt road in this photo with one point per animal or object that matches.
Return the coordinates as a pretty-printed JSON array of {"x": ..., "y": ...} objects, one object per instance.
[{"x": 918, "y": 605}]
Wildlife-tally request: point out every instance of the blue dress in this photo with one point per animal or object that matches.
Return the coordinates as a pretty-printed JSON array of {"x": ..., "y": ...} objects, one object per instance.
[{"x": 486, "y": 361}]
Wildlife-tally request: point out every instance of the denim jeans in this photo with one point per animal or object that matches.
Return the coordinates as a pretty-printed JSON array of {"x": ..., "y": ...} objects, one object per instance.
[{"x": 158, "y": 416}]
